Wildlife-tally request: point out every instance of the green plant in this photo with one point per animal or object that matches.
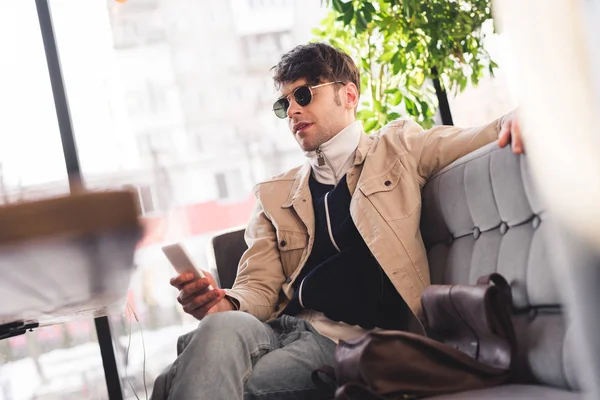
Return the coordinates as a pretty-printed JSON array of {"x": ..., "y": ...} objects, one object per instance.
[{"x": 402, "y": 45}]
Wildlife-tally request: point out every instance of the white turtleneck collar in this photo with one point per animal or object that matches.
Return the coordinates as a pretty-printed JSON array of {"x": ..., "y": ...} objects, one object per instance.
[{"x": 333, "y": 158}]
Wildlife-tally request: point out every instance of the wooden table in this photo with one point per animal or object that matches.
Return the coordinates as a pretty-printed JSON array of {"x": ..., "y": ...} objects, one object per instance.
[{"x": 68, "y": 258}]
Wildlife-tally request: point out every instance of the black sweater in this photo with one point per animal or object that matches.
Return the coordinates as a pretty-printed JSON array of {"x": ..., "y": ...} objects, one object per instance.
[{"x": 347, "y": 284}]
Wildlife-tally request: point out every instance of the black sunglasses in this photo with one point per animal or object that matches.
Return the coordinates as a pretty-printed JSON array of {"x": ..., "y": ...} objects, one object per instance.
[{"x": 303, "y": 96}]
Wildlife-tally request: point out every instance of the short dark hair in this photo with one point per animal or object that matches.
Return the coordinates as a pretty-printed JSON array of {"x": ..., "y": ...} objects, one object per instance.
[{"x": 316, "y": 62}]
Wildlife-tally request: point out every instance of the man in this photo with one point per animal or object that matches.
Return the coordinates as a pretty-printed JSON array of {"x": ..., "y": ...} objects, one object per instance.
[{"x": 334, "y": 245}]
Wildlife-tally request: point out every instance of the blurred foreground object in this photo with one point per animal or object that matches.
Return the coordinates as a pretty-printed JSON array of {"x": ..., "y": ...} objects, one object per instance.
[
  {"x": 556, "y": 44},
  {"x": 66, "y": 257},
  {"x": 556, "y": 76}
]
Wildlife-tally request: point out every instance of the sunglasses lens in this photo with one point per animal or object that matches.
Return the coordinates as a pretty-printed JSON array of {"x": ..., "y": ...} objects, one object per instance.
[
  {"x": 303, "y": 95},
  {"x": 280, "y": 108}
]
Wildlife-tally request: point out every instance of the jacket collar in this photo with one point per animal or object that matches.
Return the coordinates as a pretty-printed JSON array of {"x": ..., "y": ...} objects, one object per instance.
[
  {"x": 300, "y": 185},
  {"x": 364, "y": 145}
]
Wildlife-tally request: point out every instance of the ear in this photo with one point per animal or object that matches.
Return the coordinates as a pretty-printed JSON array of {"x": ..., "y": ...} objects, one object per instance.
[{"x": 351, "y": 95}]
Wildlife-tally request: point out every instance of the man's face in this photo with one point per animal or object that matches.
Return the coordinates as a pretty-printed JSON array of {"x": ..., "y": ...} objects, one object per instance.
[{"x": 323, "y": 118}]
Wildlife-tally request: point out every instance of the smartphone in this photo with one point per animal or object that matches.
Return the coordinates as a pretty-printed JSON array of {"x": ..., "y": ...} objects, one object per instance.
[{"x": 182, "y": 262}]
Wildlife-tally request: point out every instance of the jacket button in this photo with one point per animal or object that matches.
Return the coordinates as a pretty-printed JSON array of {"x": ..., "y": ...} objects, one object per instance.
[
  {"x": 388, "y": 183},
  {"x": 283, "y": 243}
]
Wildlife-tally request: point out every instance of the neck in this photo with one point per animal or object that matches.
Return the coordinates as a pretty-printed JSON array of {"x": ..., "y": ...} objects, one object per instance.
[{"x": 333, "y": 158}]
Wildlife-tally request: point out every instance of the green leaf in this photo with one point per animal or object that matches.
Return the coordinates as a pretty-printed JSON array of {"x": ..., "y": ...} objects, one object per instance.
[
  {"x": 393, "y": 116},
  {"x": 367, "y": 14},
  {"x": 369, "y": 6},
  {"x": 411, "y": 107},
  {"x": 492, "y": 67},
  {"x": 387, "y": 56},
  {"x": 397, "y": 66},
  {"x": 361, "y": 22},
  {"x": 419, "y": 77},
  {"x": 365, "y": 114},
  {"x": 396, "y": 98},
  {"x": 347, "y": 6},
  {"x": 369, "y": 125},
  {"x": 317, "y": 32},
  {"x": 364, "y": 83},
  {"x": 365, "y": 64},
  {"x": 348, "y": 15},
  {"x": 424, "y": 107},
  {"x": 377, "y": 106},
  {"x": 337, "y": 6}
]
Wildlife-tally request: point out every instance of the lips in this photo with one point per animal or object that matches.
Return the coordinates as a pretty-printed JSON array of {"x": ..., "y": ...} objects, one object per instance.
[{"x": 300, "y": 126}]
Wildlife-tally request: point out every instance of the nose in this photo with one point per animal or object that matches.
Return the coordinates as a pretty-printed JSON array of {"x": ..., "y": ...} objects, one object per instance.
[{"x": 294, "y": 108}]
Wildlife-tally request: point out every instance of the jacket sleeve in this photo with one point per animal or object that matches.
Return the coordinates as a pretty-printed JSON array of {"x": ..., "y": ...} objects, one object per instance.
[
  {"x": 260, "y": 273},
  {"x": 435, "y": 148}
]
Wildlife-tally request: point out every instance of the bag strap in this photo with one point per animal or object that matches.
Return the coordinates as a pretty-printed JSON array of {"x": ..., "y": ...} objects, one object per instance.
[
  {"x": 504, "y": 287},
  {"x": 499, "y": 281},
  {"x": 329, "y": 372},
  {"x": 356, "y": 391}
]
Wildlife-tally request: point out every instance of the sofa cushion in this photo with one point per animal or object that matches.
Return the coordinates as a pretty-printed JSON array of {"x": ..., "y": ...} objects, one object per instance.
[
  {"x": 513, "y": 392},
  {"x": 482, "y": 214}
]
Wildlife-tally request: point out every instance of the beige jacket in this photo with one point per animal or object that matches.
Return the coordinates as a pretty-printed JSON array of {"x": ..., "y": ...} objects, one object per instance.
[{"x": 390, "y": 168}]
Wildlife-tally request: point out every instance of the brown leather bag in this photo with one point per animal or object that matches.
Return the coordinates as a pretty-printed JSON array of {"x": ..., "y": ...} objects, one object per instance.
[{"x": 474, "y": 347}]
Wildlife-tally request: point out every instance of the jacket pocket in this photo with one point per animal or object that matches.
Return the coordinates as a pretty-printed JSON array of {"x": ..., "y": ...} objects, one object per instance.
[
  {"x": 394, "y": 194},
  {"x": 291, "y": 245}
]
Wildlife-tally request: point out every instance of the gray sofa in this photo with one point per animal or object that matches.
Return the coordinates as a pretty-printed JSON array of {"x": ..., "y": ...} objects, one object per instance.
[{"x": 481, "y": 214}]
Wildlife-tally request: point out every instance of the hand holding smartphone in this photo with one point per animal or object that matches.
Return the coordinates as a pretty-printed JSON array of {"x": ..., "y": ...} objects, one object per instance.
[
  {"x": 197, "y": 299},
  {"x": 182, "y": 262}
]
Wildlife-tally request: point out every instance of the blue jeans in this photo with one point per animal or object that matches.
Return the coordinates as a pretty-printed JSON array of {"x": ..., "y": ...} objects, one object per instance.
[{"x": 232, "y": 355}]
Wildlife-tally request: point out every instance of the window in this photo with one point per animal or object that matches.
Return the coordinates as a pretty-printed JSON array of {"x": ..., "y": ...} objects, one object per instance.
[
  {"x": 148, "y": 99},
  {"x": 146, "y": 197},
  {"x": 222, "y": 186},
  {"x": 136, "y": 24},
  {"x": 155, "y": 147},
  {"x": 137, "y": 102},
  {"x": 229, "y": 185},
  {"x": 30, "y": 146},
  {"x": 265, "y": 48}
]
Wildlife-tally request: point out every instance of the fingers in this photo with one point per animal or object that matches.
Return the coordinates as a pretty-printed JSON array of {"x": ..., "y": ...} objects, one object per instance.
[
  {"x": 182, "y": 279},
  {"x": 193, "y": 289},
  {"x": 210, "y": 278},
  {"x": 517, "y": 139},
  {"x": 504, "y": 136},
  {"x": 200, "y": 305},
  {"x": 511, "y": 133}
]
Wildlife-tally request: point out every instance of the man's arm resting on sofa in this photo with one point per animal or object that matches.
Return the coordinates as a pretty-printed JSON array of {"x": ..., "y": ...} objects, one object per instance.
[{"x": 435, "y": 148}]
